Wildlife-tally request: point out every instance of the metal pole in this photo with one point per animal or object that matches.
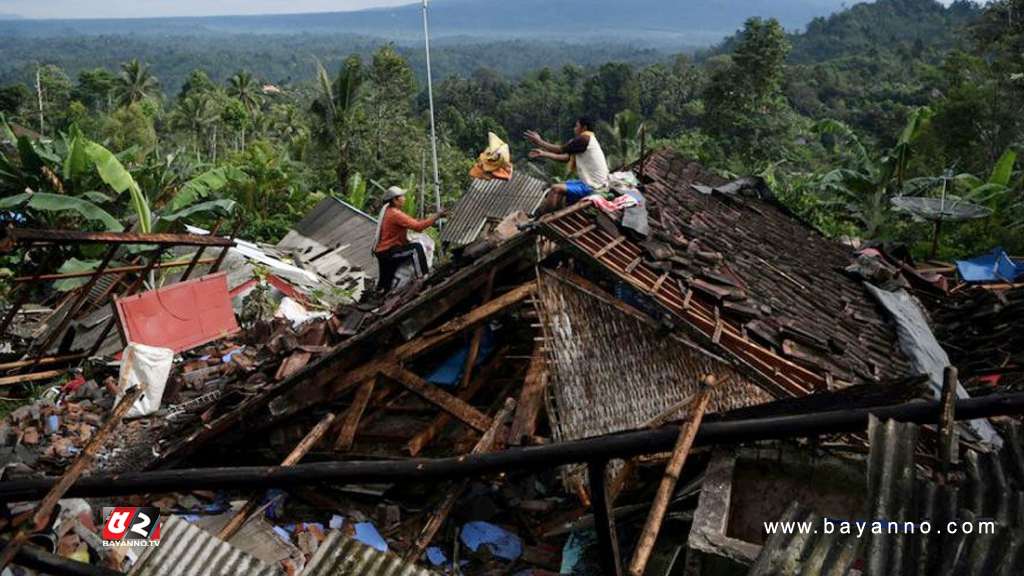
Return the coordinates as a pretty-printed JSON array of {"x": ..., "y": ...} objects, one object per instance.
[{"x": 430, "y": 97}]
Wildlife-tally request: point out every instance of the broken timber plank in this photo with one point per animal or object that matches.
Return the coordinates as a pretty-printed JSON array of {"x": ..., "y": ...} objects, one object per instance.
[
  {"x": 609, "y": 247},
  {"x": 41, "y": 517},
  {"x": 29, "y": 236},
  {"x": 355, "y": 413},
  {"x": 293, "y": 458},
  {"x": 420, "y": 441},
  {"x": 524, "y": 425},
  {"x": 443, "y": 400},
  {"x": 486, "y": 444},
  {"x": 33, "y": 377},
  {"x": 687, "y": 432},
  {"x": 478, "y": 334}
]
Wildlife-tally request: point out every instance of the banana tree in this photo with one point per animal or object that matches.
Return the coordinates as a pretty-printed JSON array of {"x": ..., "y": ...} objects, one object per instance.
[{"x": 863, "y": 187}]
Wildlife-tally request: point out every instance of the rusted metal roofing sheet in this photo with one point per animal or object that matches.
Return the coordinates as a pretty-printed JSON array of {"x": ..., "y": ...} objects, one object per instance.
[
  {"x": 181, "y": 316},
  {"x": 335, "y": 239},
  {"x": 612, "y": 372},
  {"x": 339, "y": 555},
  {"x": 491, "y": 200},
  {"x": 187, "y": 549}
]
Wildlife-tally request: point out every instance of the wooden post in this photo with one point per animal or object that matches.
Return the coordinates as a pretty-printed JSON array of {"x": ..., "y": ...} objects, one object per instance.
[
  {"x": 355, "y": 413},
  {"x": 947, "y": 423},
  {"x": 45, "y": 509},
  {"x": 604, "y": 518},
  {"x": 485, "y": 444},
  {"x": 293, "y": 458},
  {"x": 76, "y": 305},
  {"x": 687, "y": 432}
]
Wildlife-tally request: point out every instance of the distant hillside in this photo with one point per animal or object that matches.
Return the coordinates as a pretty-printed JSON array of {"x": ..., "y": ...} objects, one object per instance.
[
  {"x": 883, "y": 25},
  {"x": 689, "y": 21}
]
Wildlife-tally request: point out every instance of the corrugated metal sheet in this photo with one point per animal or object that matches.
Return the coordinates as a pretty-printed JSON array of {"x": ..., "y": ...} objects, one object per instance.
[
  {"x": 897, "y": 493},
  {"x": 613, "y": 372},
  {"x": 188, "y": 550},
  {"x": 181, "y": 316},
  {"x": 339, "y": 555},
  {"x": 335, "y": 239},
  {"x": 491, "y": 200}
]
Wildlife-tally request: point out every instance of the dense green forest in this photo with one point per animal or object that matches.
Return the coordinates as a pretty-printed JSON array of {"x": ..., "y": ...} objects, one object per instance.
[{"x": 897, "y": 97}]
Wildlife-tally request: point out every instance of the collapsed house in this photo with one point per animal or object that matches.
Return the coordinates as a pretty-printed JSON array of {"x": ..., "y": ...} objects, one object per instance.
[{"x": 570, "y": 330}]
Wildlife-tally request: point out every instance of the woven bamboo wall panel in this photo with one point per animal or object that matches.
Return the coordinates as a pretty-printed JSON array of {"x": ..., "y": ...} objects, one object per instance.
[{"x": 611, "y": 372}]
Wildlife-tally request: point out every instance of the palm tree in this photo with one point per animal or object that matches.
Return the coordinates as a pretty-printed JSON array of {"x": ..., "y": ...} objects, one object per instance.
[
  {"x": 334, "y": 106},
  {"x": 621, "y": 138},
  {"x": 194, "y": 113},
  {"x": 135, "y": 83},
  {"x": 244, "y": 87}
]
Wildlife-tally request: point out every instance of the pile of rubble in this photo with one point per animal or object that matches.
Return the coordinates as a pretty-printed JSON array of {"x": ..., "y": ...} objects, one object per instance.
[{"x": 547, "y": 402}]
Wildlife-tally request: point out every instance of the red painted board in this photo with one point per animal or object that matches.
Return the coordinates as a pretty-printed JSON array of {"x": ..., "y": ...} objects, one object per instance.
[{"x": 180, "y": 317}]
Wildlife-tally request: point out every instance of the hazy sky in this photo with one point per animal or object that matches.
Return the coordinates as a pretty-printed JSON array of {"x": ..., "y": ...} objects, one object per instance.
[{"x": 142, "y": 8}]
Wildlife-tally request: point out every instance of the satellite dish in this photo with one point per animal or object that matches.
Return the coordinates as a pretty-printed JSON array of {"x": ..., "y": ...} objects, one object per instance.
[{"x": 947, "y": 208}]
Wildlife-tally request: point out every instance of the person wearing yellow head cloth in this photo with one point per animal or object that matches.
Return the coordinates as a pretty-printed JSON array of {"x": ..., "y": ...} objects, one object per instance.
[{"x": 583, "y": 154}]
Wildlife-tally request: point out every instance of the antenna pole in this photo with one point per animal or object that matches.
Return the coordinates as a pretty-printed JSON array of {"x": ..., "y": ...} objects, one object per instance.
[{"x": 430, "y": 97}]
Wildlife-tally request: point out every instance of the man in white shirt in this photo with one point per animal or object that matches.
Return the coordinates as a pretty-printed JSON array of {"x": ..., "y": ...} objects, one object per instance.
[{"x": 583, "y": 154}]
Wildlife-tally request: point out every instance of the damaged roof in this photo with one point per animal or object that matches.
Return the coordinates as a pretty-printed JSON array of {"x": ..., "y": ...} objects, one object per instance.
[
  {"x": 335, "y": 239},
  {"x": 613, "y": 370},
  {"x": 490, "y": 201},
  {"x": 747, "y": 275}
]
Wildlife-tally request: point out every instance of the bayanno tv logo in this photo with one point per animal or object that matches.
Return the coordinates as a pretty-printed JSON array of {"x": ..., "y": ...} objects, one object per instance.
[{"x": 131, "y": 526}]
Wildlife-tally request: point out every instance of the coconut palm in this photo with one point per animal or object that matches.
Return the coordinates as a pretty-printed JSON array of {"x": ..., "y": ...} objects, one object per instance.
[
  {"x": 245, "y": 88},
  {"x": 135, "y": 83},
  {"x": 621, "y": 138},
  {"x": 334, "y": 106},
  {"x": 194, "y": 113}
]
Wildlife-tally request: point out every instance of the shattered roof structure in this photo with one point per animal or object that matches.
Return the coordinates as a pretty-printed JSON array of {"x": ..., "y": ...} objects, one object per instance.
[
  {"x": 487, "y": 202},
  {"x": 335, "y": 239},
  {"x": 744, "y": 274},
  {"x": 613, "y": 370}
]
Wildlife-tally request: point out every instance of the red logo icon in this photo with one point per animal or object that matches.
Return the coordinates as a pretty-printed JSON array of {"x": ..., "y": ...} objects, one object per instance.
[{"x": 131, "y": 525}]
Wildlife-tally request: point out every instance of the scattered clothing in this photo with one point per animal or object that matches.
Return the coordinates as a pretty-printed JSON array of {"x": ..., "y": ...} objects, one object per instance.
[
  {"x": 493, "y": 163},
  {"x": 612, "y": 207},
  {"x": 576, "y": 190},
  {"x": 996, "y": 266},
  {"x": 587, "y": 159}
]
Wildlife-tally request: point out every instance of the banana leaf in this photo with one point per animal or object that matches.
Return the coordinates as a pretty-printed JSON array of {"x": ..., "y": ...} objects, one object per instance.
[
  {"x": 57, "y": 203},
  {"x": 220, "y": 207},
  {"x": 115, "y": 175}
]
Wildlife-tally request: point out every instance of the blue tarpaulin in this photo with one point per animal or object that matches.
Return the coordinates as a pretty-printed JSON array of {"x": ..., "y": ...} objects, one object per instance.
[
  {"x": 449, "y": 373},
  {"x": 502, "y": 543},
  {"x": 996, "y": 266}
]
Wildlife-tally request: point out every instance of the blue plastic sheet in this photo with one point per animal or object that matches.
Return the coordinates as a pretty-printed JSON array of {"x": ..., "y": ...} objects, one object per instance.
[
  {"x": 996, "y": 266},
  {"x": 502, "y": 543},
  {"x": 436, "y": 556},
  {"x": 449, "y": 373},
  {"x": 367, "y": 534}
]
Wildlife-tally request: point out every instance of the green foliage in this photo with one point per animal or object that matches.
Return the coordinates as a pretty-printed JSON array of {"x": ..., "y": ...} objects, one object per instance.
[
  {"x": 60, "y": 203},
  {"x": 136, "y": 83}
]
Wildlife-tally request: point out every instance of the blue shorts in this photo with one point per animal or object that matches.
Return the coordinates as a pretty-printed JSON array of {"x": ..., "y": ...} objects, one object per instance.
[{"x": 576, "y": 190}]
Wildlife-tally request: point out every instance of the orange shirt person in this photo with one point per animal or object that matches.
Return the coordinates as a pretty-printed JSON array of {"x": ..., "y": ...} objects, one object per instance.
[{"x": 391, "y": 246}]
